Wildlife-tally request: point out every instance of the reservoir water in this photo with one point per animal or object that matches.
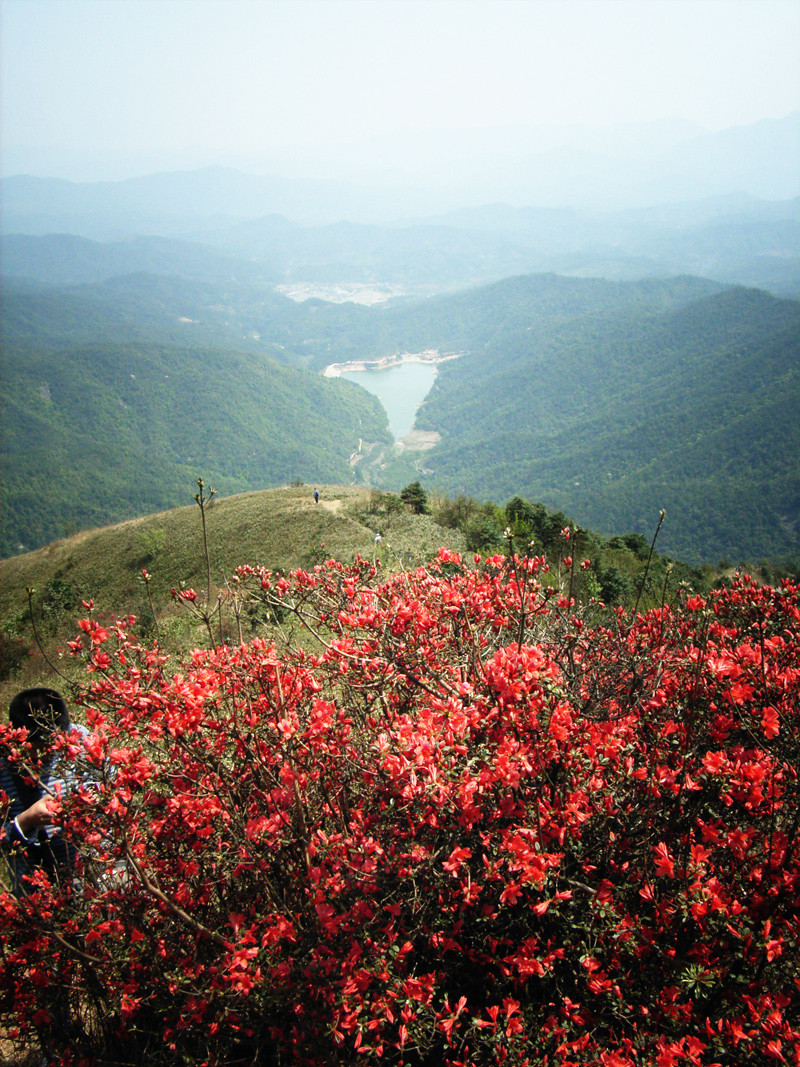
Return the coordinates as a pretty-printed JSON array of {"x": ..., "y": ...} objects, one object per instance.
[{"x": 401, "y": 390}]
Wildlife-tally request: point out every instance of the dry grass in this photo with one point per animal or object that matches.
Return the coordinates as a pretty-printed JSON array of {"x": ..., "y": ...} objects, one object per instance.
[{"x": 277, "y": 528}]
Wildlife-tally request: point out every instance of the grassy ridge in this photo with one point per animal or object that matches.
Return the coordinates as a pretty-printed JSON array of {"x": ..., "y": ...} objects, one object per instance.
[
  {"x": 283, "y": 529},
  {"x": 278, "y": 528}
]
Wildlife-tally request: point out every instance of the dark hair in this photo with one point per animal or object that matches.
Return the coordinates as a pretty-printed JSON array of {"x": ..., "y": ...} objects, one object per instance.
[{"x": 40, "y": 711}]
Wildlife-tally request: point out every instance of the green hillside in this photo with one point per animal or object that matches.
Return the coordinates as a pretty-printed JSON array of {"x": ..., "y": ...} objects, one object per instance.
[
  {"x": 277, "y": 528},
  {"x": 159, "y": 309},
  {"x": 613, "y": 416},
  {"x": 102, "y": 433},
  {"x": 607, "y": 400}
]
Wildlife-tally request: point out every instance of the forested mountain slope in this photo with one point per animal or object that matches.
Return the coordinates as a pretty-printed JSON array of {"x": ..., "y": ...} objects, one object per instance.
[
  {"x": 165, "y": 309},
  {"x": 608, "y": 400},
  {"x": 69, "y": 259},
  {"x": 612, "y": 416},
  {"x": 495, "y": 314},
  {"x": 97, "y": 433}
]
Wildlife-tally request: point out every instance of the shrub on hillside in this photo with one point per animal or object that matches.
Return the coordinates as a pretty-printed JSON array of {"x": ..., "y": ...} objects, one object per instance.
[
  {"x": 415, "y": 498},
  {"x": 467, "y": 828}
]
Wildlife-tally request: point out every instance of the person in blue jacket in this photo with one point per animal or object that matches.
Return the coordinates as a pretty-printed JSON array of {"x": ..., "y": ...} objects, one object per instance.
[{"x": 32, "y": 786}]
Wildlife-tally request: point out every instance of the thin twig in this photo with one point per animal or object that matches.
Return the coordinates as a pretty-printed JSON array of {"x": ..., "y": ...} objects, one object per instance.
[
  {"x": 154, "y": 891},
  {"x": 661, "y": 517},
  {"x": 36, "y": 638}
]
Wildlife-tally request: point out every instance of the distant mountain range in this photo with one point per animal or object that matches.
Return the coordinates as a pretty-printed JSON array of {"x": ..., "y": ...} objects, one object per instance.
[
  {"x": 412, "y": 176},
  {"x": 643, "y": 200},
  {"x": 734, "y": 239},
  {"x": 616, "y": 359}
]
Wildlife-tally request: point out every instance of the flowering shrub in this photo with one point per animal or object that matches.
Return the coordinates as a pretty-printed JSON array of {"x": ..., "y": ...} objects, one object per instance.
[{"x": 447, "y": 821}]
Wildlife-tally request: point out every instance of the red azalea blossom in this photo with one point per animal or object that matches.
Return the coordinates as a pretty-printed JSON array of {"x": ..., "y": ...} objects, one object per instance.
[{"x": 464, "y": 821}]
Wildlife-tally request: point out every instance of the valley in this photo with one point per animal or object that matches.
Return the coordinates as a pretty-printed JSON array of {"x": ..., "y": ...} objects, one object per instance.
[
  {"x": 606, "y": 400},
  {"x": 604, "y": 363}
]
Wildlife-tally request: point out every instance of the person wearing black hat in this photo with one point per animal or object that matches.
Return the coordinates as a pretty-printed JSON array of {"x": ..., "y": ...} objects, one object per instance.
[{"x": 33, "y": 783}]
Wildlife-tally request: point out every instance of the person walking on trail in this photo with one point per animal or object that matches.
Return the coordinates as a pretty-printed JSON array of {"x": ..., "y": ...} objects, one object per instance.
[
  {"x": 33, "y": 783},
  {"x": 316, "y": 496}
]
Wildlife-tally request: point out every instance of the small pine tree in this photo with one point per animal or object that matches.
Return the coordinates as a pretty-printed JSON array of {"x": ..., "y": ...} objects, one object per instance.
[{"x": 415, "y": 497}]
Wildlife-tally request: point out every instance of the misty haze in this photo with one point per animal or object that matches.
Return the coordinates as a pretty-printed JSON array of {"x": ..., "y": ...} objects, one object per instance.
[
  {"x": 608, "y": 238},
  {"x": 400, "y": 533}
]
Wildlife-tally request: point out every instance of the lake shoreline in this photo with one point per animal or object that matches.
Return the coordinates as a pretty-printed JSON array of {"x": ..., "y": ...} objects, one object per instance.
[{"x": 430, "y": 356}]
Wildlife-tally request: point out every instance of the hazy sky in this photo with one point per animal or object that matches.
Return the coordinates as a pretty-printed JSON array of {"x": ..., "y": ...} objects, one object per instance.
[{"x": 249, "y": 76}]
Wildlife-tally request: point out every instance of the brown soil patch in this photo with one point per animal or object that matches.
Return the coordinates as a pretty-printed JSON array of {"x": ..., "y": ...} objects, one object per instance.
[{"x": 421, "y": 440}]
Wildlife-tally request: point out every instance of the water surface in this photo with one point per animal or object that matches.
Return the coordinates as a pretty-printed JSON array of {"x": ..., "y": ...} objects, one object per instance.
[{"x": 401, "y": 389}]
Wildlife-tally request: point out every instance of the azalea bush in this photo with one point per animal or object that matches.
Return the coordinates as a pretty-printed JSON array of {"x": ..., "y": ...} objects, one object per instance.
[{"x": 445, "y": 819}]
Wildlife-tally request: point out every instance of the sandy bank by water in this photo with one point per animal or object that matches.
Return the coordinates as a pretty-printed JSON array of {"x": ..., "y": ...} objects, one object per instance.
[{"x": 430, "y": 355}]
